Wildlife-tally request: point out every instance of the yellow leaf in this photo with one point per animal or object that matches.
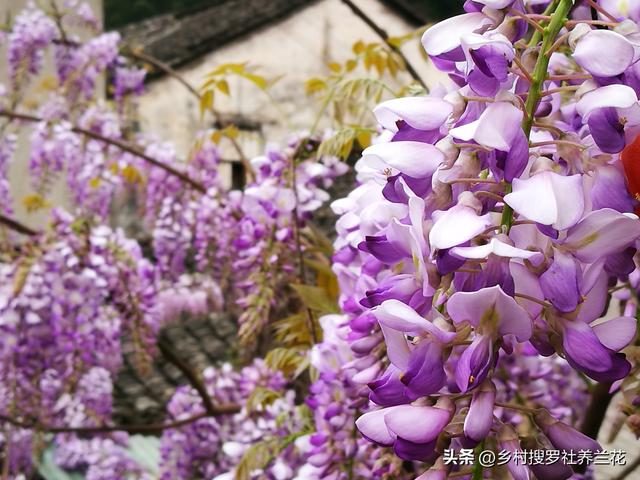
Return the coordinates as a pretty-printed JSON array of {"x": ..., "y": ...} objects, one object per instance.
[
  {"x": 364, "y": 138},
  {"x": 261, "y": 397},
  {"x": 257, "y": 80},
  {"x": 21, "y": 275},
  {"x": 392, "y": 66},
  {"x": 396, "y": 41},
  {"x": 131, "y": 174},
  {"x": 216, "y": 137},
  {"x": 350, "y": 65},
  {"x": 314, "y": 85},
  {"x": 34, "y": 203},
  {"x": 206, "y": 101},
  {"x": 223, "y": 86},
  {"x": 335, "y": 67},
  {"x": 208, "y": 83},
  {"x": 316, "y": 298},
  {"x": 358, "y": 47},
  {"x": 345, "y": 151},
  {"x": 231, "y": 131},
  {"x": 379, "y": 62},
  {"x": 368, "y": 60}
]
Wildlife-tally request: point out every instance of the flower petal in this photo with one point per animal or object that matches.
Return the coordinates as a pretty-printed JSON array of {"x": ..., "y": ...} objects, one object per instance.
[
  {"x": 496, "y": 128},
  {"x": 373, "y": 426},
  {"x": 548, "y": 198},
  {"x": 446, "y": 35},
  {"x": 416, "y": 424},
  {"x": 602, "y": 233},
  {"x": 617, "y": 96},
  {"x": 590, "y": 53},
  {"x": 616, "y": 333},
  {"x": 422, "y": 113},
  {"x": 498, "y": 248},
  {"x": 479, "y": 419},
  {"x": 583, "y": 347},
  {"x": 456, "y": 225},
  {"x": 425, "y": 373},
  {"x": 560, "y": 282},
  {"x": 491, "y": 310},
  {"x": 396, "y": 315},
  {"x": 416, "y": 159}
]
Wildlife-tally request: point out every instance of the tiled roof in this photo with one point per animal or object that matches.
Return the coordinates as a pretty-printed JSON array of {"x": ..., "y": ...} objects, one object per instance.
[{"x": 177, "y": 38}]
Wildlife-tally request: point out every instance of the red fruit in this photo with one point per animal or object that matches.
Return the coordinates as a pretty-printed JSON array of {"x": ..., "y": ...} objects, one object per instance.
[{"x": 630, "y": 157}]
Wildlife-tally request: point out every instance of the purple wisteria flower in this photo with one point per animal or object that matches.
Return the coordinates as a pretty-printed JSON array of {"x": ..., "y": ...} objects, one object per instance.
[{"x": 489, "y": 227}]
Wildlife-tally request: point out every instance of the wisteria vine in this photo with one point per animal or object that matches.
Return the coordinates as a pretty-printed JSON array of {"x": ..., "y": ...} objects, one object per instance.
[{"x": 482, "y": 289}]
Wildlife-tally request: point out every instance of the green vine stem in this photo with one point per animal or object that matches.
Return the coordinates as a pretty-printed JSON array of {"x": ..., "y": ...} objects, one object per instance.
[{"x": 551, "y": 31}]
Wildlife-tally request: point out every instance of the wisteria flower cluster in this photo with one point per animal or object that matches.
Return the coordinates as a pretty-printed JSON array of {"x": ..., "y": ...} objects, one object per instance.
[
  {"x": 486, "y": 262},
  {"x": 270, "y": 212},
  {"x": 490, "y": 226},
  {"x": 65, "y": 304},
  {"x": 213, "y": 447}
]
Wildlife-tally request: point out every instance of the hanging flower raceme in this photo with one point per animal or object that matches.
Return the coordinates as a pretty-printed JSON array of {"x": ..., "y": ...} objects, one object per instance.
[
  {"x": 494, "y": 223},
  {"x": 213, "y": 447},
  {"x": 266, "y": 218},
  {"x": 68, "y": 300}
]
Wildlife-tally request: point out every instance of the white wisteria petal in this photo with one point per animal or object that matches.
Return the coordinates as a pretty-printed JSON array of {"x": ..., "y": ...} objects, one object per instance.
[
  {"x": 416, "y": 159},
  {"x": 456, "y": 225},
  {"x": 496, "y": 127},
  {"x": 604, "y": 53},
  {"x": 549, "y": 199},
  {"x": 422, "y": 113},
  {"x": 445, "y": 36},
  {"x": 617, "y": 96},
  {"x": 498, "y": 248},
  {"x": 396, "y": 315}
]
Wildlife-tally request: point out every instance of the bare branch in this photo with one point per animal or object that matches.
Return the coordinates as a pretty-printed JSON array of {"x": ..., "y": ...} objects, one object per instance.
[
  {"x": 122, "y": 145},
  {"x": 17, "y": 226},
  {"x": 385, "y": 38},
  {"x": 139, "y": 55},
  {"x": 229, "y": 409},
  {"x": 196, "y": 382}
]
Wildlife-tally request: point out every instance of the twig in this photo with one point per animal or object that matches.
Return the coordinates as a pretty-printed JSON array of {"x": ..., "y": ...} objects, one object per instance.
[
  {"x": 164, "y": 67},
  {"x": 520, "y": 408},
  {"x": 124, "y": 146},
  {"x": 136, "y": 54},
  {"x": 17, "y": 226},
  {"x": 229, "y": 409},
  {"x": 522, "y": 69},
  {"x": 385, "y": 38},
  {"x": 302, "y": 274},
  {"x": 532, "y": 299},
  {"x": 192, "y": 377},
  {"x": 598, "y": 8},
  {"x": 600, "y": 399},
  {"x": 528, "y": 19}
]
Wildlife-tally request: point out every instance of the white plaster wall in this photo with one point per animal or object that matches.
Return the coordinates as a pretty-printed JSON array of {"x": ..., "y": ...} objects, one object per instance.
[
  {"x": 35, "y": 94},
  {"x": 298, "y": 47}
]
